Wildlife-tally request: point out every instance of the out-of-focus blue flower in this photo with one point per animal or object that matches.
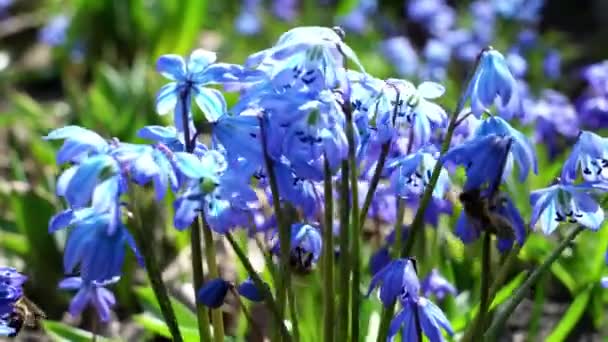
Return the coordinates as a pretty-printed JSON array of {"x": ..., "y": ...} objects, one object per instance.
[
  {"x": 285, "y": 9},
  {"x": 401, "y": 54},
  {"x": 9, "y": 295},
  {"x": 483, "y": 157},
  {"x": 395, "y": 280},
  {"x": 566, "y": 203},
  {"x": 306, "y": 245},
  {"x": 213, "y": 292},
  {"x": 432, "y": 320},
  {"x": 521, "y": 149},
  {"x": 10, "y": 292},
  {"x": 305, "y": 50},
  {"x": 492, "y": 79},
  {"x": 248, "y": 21},
  {"x": 190, "y": 79},
  {"x": 483, "y": 21},
  {"x": 54, "y": 33},
  {"x": 436, "y": 284},
  {"x": 413, "y": 172},
  {"x": 90, "y": 293},
  {"x": 552, "y": 64},
  {"x": 435, "y": 15},
  {"x": 521, "y": 10},
  {"x": 356, "y": 20},
  {"x": 590, "y": 155},
  {"x": 604, "y": 282},
  {"x": 10, "y": 276},
  {"x": 249, "y": 290},
  {"x": 437, "y": 54},
  {"x": 517, "y": 64},
  {"x": 383, "y": 204}
]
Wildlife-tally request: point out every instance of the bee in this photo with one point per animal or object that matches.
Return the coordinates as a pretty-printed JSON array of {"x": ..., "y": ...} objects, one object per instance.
[
  {"x": 301, "y": 260},
  {"x": 25, "y": 312},
  {"x": 483, "y": 213}
]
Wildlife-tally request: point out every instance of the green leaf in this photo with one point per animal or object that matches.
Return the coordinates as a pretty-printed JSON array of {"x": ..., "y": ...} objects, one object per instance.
[
  {"x": 63, "y": 332},
  {"x": 185, "y": 317},
  {"x": 156, "y": 325},
  {"x": 14, "y": 242},
  {"x": 571, "y": 317},
  {"x": 564, "y": 276}
]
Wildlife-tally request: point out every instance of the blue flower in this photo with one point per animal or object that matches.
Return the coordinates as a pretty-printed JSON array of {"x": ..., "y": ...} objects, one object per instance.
[
  {"x": 79, "y": 143},
  {"x": 552, "y": 64},
  {"x": 249, "y": 290},
  {"x": 8, "y": 296},
  {"x": 396, "y": 279},
  {"x": 484, "y": 158},
  {"x": 190, "y": 79},
  {"x": 299, "y": 191},
  {"x": 213, "y": 292},
  {"x": 306, "y": 245},
  {"x": 248, "y": 21},
  {"x": 436, "y": 284},
  {"x": 303, "y": 50},
  {"x": 566, "y": 203},
  {"x": 239, "y": 136},
  {"x": 90, "y": 293},
  {"x": 401, "y": 54},
  {"x": 492, "y": 79},
  {"x": 54, "y": 33},
  {"x": 590, "y": 155},
  {"x": 379, "y": 260},
  {"x": 155, "y": 164},
  {"x": 10, "y": 276},
  {"x": 521, "y": 149},
  {"x": 432, "y": 320},
  {"x": 413, "y": 172},
  {"x": 522, "y": 10},
  {"x": 169, "y": 137}
]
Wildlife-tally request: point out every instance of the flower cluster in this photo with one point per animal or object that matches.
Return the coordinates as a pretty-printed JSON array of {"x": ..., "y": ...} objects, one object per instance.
[{"x": 11, "y": 291}]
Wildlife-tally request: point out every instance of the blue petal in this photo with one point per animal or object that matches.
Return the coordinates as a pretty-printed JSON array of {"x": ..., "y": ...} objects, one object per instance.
[
  {"x": 199, "y": 60},
  {"x": 403, "y": 318},
  {"x": 592, "y": 214},
  {"x": 172, "y": 67},
  {"x": 83, "y": 182},
  {"x": 548, "y": 217},
  {"x": 167, "y": 98},
  {"x": 212, "y": 294},
  {"x": 249, "y": 290},
  {"x": 430, "y": 90},
  {"x": 210, "y": 101}
]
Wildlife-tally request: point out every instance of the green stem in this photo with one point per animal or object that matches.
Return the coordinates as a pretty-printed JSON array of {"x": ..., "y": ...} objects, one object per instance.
[
  {"x": 399, "y": 226},
  {"x": 328, "y": 259},
  {"x": 354, "y": 224},
  {"x": 373, "y": 184},
  {"x": 284, "y": 231},
  {"x": 160, "y": 291},
  {"x": 293, "y": 312},
  {"x": 202, "y": 313},
  {"x": 344, "y": 260},
  {"x": 252, "y": 323},
  {"x": 216, "y": 314},
  {"x": 261, "y": 286},
  {"x": 521, "y": 292},
  {"x": 484, "y": 297}
]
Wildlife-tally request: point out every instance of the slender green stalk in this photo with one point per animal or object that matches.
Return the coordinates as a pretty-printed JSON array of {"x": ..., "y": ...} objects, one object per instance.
[
  {"x": 160, "y": 291},
  {"x": 328, "y": 258},
  {"x": 202, "y": 313},
  {"x": 344, "y": 260},
  {"x": 373, "y": 184},
  {"x": 354, "y": 224},
  {"x": 284, "y": 230},
  {"x": 216, "y": 314},
  {"x": 521, "y": 292},
  {"x": 399, "y": 226},
  {"x": 293, "y": 312},
  {"x": 261, "y": 286},
  {"x": 484, "y": 297},
  {"x": 250, "y": 320}
]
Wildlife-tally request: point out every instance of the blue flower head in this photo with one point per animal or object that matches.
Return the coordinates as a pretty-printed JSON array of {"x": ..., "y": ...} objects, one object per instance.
[
  {"x": 213, "y": 292},
  {"x": 566, "y": 203},
  {"x": 590, "y": 155},
  {"x": 397, "y": 279},
  {"x": 432, "y": 321},
  {"x": 190, "y": 80},
  {"x": 169, "y": 137},
  {"x": 306, "y": 245},
  {"x": 249, "y": 290},
  {"x": 413, "y": 172},
  {"x": 10, "y": 276},
  {"x": 436, "y": 284},
  {"x": 90, "y": 293},
  {"x": 521, "y": 150},
  {"x": 492, "y": 79}
]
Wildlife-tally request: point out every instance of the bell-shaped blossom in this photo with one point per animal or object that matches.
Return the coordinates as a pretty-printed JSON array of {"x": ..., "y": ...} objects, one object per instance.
[
  {"x": 240, "y": 137},
  {"x": 10, "y": 276},
  {"x": 412, "y": 173},
  {"x": 395, "y": 280},
  {"x": 249, "y": 290},
  {"x": 379, "y": 260},
  {"x": 79, "y": 143},
  {"x": 430, "y": 317},
  {"x": 303, "y": 50},
  {"x": 590, "y": 155},
  {"x": 90, "y": 293},
  {"x": 306, "y": 245},
  {"x": 492, "y": 79},
  {"x": 299, "y": 191},
  {"x": 190, "y": 80},
  {"x": 213, "y": 292},
  {"x": 521, "y": 150},
  {"x": 248, "y": 21},
  {"x": 435, "y": 284},
  {"x": 566, "y": 203},
  {"x": 484, "y": 158}
]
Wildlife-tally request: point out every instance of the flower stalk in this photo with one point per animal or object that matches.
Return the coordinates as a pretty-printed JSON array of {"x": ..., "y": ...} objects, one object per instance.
[
  {"x": 344, "y": 259},
  {"x": 216, "y": 314},
  {"x": 328, "y": 258}
]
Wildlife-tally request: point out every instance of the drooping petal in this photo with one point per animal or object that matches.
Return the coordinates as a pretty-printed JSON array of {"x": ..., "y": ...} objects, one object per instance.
[
  {"x": 172, "y": 67},
  {"x": 210, "y": 101},
  {"x": 167, "y": 98},
  {"x": 199, "y": 60}
]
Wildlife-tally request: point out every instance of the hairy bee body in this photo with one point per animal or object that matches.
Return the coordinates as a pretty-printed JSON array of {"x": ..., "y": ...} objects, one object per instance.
[
  {"x": 25, "y": 312},
  {"x": 482, "y": 213}
]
